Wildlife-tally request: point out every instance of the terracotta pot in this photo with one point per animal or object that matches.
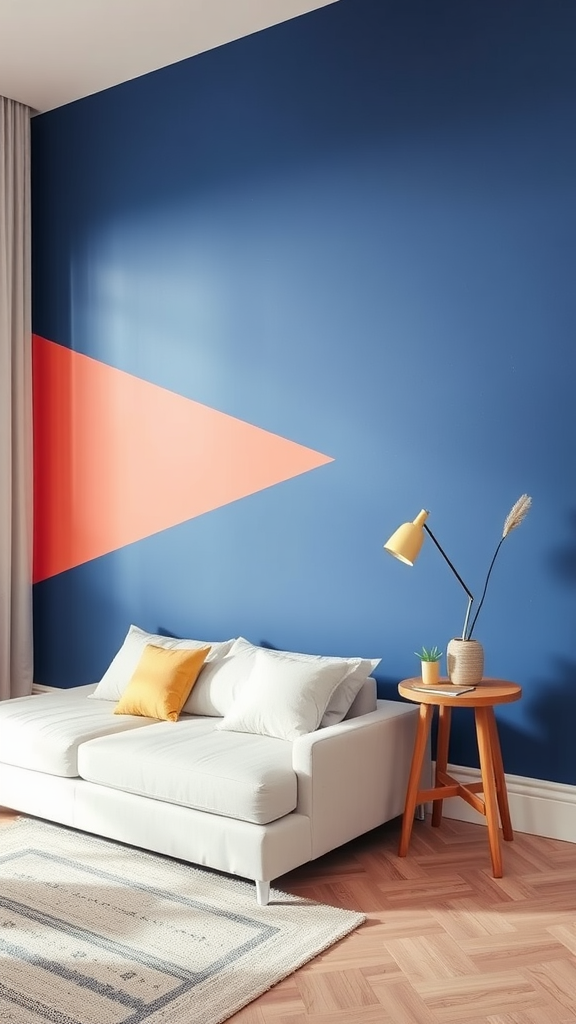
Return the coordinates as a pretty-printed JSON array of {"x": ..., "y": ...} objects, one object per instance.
[
  {"x": 465, "y": 661},
  {"x": 430, "y": 672}
]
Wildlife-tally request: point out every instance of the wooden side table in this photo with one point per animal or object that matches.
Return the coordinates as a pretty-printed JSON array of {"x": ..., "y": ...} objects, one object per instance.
[{"x": 483, "y": 699}]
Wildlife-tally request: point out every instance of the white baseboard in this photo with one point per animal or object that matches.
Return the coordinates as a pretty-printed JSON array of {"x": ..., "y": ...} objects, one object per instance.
[{"x": 538, "y": 807}]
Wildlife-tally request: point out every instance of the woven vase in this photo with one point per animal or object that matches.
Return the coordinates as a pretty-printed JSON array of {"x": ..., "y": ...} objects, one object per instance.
[{"x": 465, "y": 661}]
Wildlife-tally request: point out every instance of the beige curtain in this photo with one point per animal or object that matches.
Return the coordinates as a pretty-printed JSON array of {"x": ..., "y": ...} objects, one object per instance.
[{"x": 15, "y": 403}]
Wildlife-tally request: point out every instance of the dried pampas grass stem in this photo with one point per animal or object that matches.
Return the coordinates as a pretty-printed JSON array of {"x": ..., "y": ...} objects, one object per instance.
[{"x": 516, "y": 515}]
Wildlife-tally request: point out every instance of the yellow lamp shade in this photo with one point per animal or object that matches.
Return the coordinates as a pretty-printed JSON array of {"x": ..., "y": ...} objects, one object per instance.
[{"x": 407, "y": 540}]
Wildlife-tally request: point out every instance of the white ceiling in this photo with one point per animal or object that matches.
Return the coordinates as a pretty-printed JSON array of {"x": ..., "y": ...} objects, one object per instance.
[{"x": 56, "y": 51}]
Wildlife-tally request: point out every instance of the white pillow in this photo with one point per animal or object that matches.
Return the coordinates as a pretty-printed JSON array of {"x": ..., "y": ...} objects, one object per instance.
[
  {"x": 221, "y": 680},
  {"x": 220, "y": 683},
  {"x": 356, "y": 671},
  {"x": 123, "y": 665},
  {"x": 283, "y": 697},
  {"x": 356, "y": 674}
]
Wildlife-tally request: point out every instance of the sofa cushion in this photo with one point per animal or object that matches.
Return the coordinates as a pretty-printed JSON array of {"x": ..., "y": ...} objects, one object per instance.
[
  {"x": 189, "y": 762},
  {"x": 43, "y": 732}
]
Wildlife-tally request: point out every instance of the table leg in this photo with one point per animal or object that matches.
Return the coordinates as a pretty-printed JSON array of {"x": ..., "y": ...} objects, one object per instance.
[
  {"x": 420, "y": 744},
  {"x": 444, "y": 719},
  {"x": 501, "y": 791},
  {"x": 483, "y": 732}
]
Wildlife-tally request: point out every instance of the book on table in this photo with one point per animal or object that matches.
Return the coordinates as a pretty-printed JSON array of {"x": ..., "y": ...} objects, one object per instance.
[{"x": 444, "y": 691}]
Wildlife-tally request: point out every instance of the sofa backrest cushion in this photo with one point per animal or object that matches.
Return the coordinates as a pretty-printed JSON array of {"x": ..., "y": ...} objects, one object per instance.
[{"x": 365, "y": 700}]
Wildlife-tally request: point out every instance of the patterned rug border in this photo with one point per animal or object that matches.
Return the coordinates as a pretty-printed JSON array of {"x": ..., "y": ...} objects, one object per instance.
[{"x": 183, "y": 906}]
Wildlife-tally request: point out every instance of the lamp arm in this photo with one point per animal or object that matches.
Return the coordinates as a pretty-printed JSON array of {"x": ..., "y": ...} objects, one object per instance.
[{"x": 457, "y": 575}]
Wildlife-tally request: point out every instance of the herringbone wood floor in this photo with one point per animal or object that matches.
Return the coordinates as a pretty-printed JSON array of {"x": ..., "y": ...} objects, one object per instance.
[{"x": 444, "y": 942}]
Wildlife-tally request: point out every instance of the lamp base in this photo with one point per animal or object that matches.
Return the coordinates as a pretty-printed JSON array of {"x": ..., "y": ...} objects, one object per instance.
[{"x": 465, "y": 661}]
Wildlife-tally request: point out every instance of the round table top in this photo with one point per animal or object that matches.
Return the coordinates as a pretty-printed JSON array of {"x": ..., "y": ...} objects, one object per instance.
[{"x": 485, "y": 694}]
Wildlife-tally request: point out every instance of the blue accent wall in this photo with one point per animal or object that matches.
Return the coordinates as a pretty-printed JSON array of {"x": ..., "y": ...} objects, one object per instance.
[{"x": 356, "y": 229}]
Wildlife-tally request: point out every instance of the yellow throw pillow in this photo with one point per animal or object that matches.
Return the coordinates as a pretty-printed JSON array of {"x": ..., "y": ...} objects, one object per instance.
[{"x": 161, "y": 683}]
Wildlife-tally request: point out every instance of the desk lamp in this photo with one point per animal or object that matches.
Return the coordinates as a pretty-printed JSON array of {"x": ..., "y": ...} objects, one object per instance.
[{"x": 405, "y": 545}]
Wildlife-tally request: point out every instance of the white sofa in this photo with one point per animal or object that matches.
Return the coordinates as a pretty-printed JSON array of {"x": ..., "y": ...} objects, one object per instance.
[{"x": 250, "y": 805}]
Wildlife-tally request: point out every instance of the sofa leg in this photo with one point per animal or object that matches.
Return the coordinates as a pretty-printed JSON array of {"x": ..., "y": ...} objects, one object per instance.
[{"x": 263, "y": 893}]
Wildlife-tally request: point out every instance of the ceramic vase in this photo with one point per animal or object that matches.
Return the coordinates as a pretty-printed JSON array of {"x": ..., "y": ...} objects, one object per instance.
[
  {"x": 465, "y": 661},
  {"x": 430, "y": 672}
]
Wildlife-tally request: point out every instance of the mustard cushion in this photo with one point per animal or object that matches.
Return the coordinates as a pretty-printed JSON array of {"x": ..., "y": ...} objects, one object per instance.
[{"x": 161, "y": 683}]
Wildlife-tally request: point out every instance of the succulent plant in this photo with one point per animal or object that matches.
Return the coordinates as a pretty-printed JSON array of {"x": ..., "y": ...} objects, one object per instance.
[{"x": 429, "y": 653}]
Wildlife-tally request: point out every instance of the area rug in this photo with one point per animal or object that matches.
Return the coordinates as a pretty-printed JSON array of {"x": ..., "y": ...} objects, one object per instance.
[{"x": 94, "y": 932}]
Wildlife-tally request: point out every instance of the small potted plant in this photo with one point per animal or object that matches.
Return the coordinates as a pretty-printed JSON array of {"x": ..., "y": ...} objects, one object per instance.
[{"x": 430, "y": 664}]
